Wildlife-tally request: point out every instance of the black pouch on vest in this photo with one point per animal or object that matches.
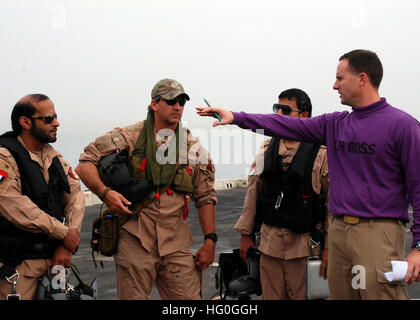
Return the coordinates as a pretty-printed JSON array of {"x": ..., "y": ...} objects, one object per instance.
[
  {"x": 105, "y": 234},
  {"x": 105, "y": 230}
]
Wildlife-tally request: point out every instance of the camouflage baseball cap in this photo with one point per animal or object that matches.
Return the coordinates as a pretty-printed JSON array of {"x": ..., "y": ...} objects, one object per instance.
[{"x": 168, "y": 89}]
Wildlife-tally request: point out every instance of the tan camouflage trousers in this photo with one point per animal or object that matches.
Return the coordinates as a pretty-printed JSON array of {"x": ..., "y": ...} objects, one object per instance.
[
  {"x": 359, "y": 255},
  {"x": 283, "y": 279},
  {"x": 175, "y": 275}
]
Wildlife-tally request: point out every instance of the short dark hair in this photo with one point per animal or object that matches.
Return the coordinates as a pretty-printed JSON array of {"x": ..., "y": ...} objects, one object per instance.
[
  {"x": 25, "y": 109},
  {"x": 365, "y": 61},
  {"x": 303, "y": 101}
]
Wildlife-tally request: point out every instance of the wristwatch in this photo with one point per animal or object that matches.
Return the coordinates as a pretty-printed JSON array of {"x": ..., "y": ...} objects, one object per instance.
[
  {"x": 212, "y": 236},
  {"x": 418, "y": 246}
]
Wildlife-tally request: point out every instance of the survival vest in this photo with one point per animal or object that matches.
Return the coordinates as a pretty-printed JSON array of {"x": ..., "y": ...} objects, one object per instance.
[
  {"x": 288, "y": 199},
  {"x": 16, "y": 244},
  {"x": 181, "y": 181}
]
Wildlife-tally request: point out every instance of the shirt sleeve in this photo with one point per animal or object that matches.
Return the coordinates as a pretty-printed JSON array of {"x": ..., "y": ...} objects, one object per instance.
[
  {"x": 203, "y": 174},
  {"x": 300, "y": 129},
  {"x": 118, "y": 138},
  {"x": 325, "y": 183},
  {"x": 409, "y": 143},
  {"x": 246, "y": 221},
  {"x": 74, "y": 203}
]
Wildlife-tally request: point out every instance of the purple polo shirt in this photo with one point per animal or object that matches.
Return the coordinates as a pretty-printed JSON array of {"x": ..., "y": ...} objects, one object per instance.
[{"x": 373, "y": 157}]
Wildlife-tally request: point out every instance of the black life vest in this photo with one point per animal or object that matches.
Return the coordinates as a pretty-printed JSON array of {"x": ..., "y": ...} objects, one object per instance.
[
  {"x": 16, "y": 244},
  {"x": 288, "y": 199}
]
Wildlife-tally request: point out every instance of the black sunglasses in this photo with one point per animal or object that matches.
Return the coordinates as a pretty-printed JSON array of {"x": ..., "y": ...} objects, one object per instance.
[
  {"x": 286, "y": 110},
  {"x": 179, "y": 99},
  {"x": 49, "y": 118}
]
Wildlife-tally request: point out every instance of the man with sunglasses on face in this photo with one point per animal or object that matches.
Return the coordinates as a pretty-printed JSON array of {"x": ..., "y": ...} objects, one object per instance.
[
  {"x": 286, "y": 196},
  {"x": 153, "y": 246},
  {"x": 41, "y": 202}
]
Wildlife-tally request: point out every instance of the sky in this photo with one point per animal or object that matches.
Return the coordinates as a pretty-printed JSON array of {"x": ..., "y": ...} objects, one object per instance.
[{"x": 98, "y": 60}]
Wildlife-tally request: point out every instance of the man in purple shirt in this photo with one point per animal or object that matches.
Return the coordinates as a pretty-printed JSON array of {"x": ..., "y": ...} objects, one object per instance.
[{"x": 374, "y": 161}]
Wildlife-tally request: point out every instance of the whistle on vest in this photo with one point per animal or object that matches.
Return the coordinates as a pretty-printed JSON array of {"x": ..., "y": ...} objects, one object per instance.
[
  {"x": 189, "y": 170},
  {"x": 143, "y": 165},
  {"x": 278, "y": 201},
  {"x": 186, "y": 210}
]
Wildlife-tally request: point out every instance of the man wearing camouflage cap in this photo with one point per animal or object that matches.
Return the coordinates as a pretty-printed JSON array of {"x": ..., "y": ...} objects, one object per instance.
[{"x": 153, "y": 247}]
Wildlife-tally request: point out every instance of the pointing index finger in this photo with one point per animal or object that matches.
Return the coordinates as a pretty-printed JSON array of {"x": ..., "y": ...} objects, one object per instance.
[{"x": 204, "y": 111}]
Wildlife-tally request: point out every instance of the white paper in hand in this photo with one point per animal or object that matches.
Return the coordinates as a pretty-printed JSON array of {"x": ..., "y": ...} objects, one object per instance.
[{"x": 399, "y": 270}]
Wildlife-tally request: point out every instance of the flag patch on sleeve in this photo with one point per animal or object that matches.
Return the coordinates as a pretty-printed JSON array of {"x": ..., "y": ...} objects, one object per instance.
[
  {"x": 73, "y": 174},
  {"x": 3, "y": 175}
]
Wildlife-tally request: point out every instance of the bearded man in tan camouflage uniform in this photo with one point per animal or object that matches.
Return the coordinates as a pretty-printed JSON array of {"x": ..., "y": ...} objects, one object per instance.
[{"x": 41, "y": 202}]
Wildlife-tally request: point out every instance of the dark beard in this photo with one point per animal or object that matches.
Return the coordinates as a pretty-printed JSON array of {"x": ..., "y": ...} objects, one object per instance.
[{"x": 40, "y": 135}]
